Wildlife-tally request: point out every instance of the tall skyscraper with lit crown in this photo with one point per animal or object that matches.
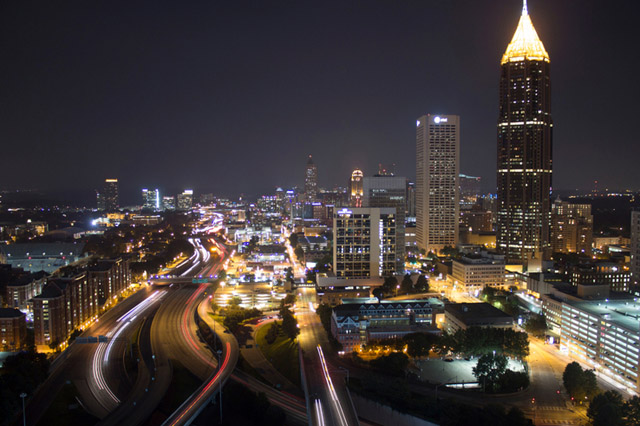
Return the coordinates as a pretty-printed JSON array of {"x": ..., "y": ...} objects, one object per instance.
[{"x": 524, "y": 147}]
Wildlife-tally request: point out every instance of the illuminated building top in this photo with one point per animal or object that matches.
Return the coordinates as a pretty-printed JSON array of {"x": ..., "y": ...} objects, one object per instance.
[{"x": 525, "y": 43}]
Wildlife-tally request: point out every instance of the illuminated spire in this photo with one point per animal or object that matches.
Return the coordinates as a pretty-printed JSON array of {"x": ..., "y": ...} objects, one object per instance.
[{"x": 525, "y": 43}]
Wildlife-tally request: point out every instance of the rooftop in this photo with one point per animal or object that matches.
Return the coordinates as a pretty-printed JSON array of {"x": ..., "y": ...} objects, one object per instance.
[
  {"x": 471, "y": 312},
  {"x": 10, "y": 313},
  {"x": 624, "y": 313}
]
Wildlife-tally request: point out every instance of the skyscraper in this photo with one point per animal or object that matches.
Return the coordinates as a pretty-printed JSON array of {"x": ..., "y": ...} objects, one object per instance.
[
  {"x": 311, "y": 180},
  {"x": 364, "y": 242},
  {"x": 355, "y": 188},
  {"x": 151, "y": 199},
  {"x": 185, "y": 200},
  {"x": 389, "y": 191},
  {"x": 108, "y": 198},
  {"x": 437, "y": 182},
  {"x": 524, "y": 147}
]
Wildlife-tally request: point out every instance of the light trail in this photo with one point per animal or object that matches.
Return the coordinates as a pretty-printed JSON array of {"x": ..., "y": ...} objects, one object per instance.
[
  {"x": 103, "y": 351},
  {"x": 332, "y": 391},
  {"x": 319, "y": 413},
  {"x": 203, "y": 392}
]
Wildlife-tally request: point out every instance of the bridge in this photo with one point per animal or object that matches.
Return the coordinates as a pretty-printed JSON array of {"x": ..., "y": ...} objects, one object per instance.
[{"x": 182, "y": 280}]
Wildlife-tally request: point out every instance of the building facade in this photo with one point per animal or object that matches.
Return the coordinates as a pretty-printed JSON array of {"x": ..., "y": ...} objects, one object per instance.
[
  {"x": 614, "y": 275},
  {"x": 437, "y": 181},
  {"x": 389, "y": 191},
  {"x": 151, "y": 199},
  {"x": 311, "y": 180},
  {"x": 605, "y": 335},
  {"x": 185, "y": 200},
  {"x": 355, "y": 188},
  {"x": 473, "y": 273},
  {"x": 524, "y": 147},
  {"x": 13, "y": 329},
  {"x": 364, "y": 242},
  {"x": 64, "y": 305},
  {"x": 355, "y": 324},
  {"x": 571, "y": 228},
  {"x": 110, "y": 195},
  {"x": 110, "y": 277}
]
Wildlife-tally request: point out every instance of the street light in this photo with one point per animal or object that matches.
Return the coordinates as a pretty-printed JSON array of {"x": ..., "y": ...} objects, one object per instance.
[{"x": 24, "y": 413}]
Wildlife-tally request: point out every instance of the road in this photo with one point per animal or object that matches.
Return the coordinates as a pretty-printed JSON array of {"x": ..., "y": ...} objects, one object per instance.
[
  {"x": 327, "y": 396},
  {"x": 65, "y": 368}
]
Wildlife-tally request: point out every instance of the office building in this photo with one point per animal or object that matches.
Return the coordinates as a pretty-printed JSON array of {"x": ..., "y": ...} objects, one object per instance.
[
  {"x": 311, "y": 180},
  {"x": 355, "y": 188},
  {"x": 437, "y": 181},
  {"x": 472, "y": 273},
  {"x": 185, "y": 200},
  {"x": 635, "y": 247},
  {"x": 524, "y": 147},
  {"x": 108, "y": 199},
  {"x": 389, "y": 191},
  {"x": 151, "y": 199},
  {"x": 614, "y": 275},
  {"x": 364, "y": 242},
  {"x": 168, "y": 202},
  {"x": 571, "y": 228}
]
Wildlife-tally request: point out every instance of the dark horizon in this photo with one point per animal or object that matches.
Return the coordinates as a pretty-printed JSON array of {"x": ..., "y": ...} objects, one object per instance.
[{"x": 232, "y": 98}]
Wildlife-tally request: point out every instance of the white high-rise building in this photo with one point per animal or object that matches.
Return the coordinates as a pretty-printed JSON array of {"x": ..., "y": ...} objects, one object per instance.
[
  {"x": 437, "y": 181},
  {"x": 364, "y": 242},
  {"x": 151, "y": 199}
]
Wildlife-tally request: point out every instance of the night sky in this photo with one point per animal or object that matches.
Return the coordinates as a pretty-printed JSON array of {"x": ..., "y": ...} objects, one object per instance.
[{"x": 232, "y": 96}]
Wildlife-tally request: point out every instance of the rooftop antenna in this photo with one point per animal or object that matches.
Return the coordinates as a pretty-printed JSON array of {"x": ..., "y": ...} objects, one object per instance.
[{"x": 525, "y": 11}]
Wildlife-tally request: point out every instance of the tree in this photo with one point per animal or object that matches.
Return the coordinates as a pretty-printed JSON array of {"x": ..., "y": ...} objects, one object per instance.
[
  {"x": 289, "y": 324},
  {"x": 422, "y": 284},
  {"x": 299, "y": 252},
  {"x": 324, "y": 311},
  {"x": 606, "y": 409},
  {"x": 579, "y": 383},
  {"x": 513, "y": 381},
  {"x": 272, "y": 333},
  {"x": 536, "y": 325},
  {"x": 293, "y": 239},
  {"x": 395, "y": 363},
  {"x": 489, "y": 369},
  {"x": 631, "y": 411},
  {"x": 407, "y": 285},
  {"x": 419, "y": 344}
]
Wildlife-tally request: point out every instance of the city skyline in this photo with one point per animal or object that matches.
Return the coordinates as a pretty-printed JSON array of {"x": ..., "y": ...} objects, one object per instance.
[{"x": 70, "y": 110}]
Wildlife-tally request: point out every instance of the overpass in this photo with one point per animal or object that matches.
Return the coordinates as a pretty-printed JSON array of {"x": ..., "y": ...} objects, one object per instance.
[{"x": 183, "y": 280}]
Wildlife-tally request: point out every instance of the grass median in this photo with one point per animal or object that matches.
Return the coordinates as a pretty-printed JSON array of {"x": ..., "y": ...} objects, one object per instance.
[{"x": 282, "y": 354}]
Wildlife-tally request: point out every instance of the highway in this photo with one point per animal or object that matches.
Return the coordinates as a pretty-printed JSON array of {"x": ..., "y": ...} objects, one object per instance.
[
  {"x": 329, "y": 401},
  {"x": 76, "y": 365}
]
